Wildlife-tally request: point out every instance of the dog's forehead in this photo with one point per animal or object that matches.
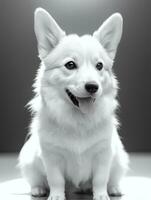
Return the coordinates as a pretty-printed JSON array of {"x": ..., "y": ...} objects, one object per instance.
[
  {"x": 85, "y": 42},
  {"x": 89, "y": 40},
  {"x": 79, "y": 48},
  {"x": 85, "y": 45}
]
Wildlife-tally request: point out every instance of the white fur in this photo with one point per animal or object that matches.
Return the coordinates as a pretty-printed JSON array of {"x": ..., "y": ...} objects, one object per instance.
[{"x": 80, "y": 145}]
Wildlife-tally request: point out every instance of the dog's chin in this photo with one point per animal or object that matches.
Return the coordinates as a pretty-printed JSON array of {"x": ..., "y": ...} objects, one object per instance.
[{"x": 83, "y": 104}]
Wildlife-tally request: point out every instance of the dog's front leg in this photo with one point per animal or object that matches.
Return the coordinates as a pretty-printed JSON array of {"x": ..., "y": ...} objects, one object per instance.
[
  {"x": 101, "y": 169},
  {"x": 54, "y": 172}
]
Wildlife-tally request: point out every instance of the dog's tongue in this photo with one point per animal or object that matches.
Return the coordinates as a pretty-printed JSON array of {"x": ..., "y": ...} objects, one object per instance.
[{"x": 86, "y": 104}]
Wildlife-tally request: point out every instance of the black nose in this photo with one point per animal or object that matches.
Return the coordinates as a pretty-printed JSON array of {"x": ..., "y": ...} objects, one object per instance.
[{"x": 91, "y": 87}]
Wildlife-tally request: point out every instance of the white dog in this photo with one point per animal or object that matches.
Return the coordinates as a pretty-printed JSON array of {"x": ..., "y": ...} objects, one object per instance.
[{"x": 74, "y": 127}]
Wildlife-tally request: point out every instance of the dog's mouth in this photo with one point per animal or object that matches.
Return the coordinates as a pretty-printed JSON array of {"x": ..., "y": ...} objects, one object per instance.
[
  {"x": 73, "y": 98},
  {"x": 80, "y": 102}
]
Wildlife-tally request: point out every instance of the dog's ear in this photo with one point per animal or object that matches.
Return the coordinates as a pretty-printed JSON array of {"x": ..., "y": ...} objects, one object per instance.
[
  {"x": 47, "y": 31},
  {"x": 109, "y": 34}
]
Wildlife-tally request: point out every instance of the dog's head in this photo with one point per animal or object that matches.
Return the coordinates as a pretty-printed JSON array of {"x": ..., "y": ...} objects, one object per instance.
[{"x": 77, "y": 71}]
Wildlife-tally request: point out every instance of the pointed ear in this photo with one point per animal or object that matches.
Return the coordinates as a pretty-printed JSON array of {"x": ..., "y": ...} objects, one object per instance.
[
  {"x": 47, "y": 31},
  {"x": 109, "y": 34}
]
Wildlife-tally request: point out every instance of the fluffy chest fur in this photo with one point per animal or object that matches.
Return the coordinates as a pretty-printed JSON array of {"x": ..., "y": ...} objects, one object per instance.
[{"x": 76, "y": 147}]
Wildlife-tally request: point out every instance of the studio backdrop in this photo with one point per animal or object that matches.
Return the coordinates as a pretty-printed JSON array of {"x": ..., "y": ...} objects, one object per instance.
[{"x": 19, "y": 63}]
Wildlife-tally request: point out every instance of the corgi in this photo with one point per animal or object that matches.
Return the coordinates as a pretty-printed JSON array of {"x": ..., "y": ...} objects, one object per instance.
[{"x": 74, "y": 130}]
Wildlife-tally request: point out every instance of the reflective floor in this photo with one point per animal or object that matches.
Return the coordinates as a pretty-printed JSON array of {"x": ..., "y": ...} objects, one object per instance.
[{"x": 137, "y": 186}]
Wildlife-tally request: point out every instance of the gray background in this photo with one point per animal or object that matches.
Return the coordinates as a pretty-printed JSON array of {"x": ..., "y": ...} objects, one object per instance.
[{"x": 19, "y": 62}]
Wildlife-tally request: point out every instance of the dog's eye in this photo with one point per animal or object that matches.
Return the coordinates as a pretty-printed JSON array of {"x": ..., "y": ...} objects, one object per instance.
[
  {"x": 70, "y": 65},
  {"x": 99, "y": 66}
]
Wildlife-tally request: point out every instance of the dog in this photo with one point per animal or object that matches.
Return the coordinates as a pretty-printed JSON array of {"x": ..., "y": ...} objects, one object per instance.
[{"x": 73, "y": 133}]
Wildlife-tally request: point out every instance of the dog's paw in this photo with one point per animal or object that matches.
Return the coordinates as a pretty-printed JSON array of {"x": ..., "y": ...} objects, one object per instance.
[
  {"x": 115, "y": 191},
  {"x": 38, "y": 192},
  {"x": 56, "y": 197},
  {"x": 101, "y": 197}
]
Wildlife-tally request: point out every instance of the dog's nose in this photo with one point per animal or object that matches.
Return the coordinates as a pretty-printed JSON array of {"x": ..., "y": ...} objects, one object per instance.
[{"x": 91, "y": 87}]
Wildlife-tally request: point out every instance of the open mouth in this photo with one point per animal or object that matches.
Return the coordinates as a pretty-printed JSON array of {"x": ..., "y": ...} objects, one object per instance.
[
  {"x": 77, "y": 100},
  {"x": 73, "y": 98}
]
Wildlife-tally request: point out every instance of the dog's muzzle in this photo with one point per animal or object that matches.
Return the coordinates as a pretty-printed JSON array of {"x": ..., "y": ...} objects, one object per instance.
[{"x": 79, "y": 100}]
